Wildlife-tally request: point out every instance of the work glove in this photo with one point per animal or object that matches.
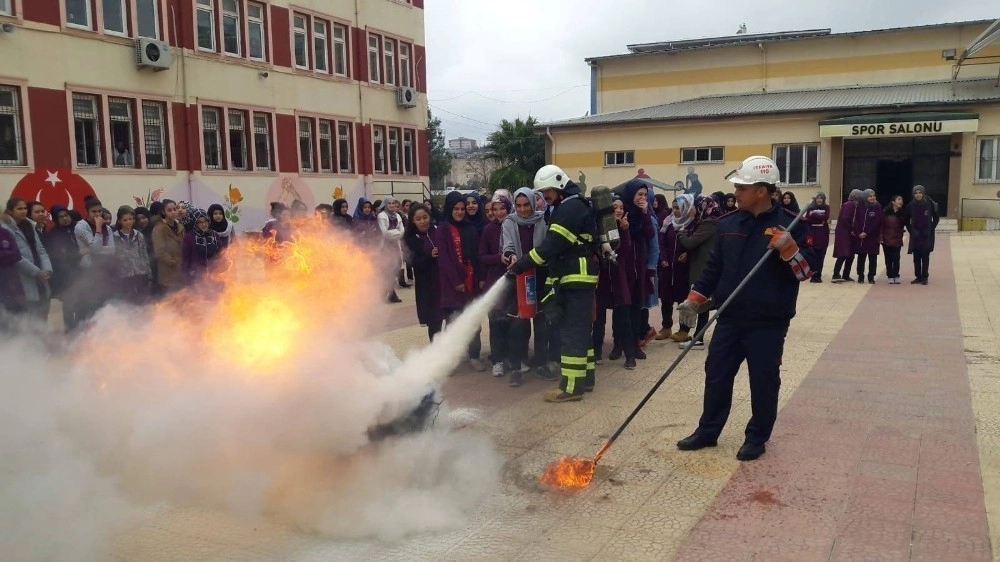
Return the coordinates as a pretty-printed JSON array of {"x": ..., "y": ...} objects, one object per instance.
[
  {"x": 788, "y": 250},
  {"x": 520, "y": 266},
  {"x": 687, "y": 311}
]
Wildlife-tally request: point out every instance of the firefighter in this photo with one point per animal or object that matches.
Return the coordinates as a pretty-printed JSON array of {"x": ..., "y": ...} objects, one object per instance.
[
  {"x": 753, "y": 327},
  {"x": 569, "y": 249}
]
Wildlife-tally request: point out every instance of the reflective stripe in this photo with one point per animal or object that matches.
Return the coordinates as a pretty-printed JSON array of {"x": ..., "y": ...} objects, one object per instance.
[
  {"x": 534, "y": 256},
  {"x": 562, "y": 231},
  {"x": 578, "y": 278},
  {"x": 586, "y": 237},
  {"x": 573, "y": 361}
]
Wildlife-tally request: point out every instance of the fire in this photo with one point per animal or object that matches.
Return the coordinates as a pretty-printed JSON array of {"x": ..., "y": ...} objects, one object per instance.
[
  {"x": 569, "y": 473},
  {"x": 276, "y": 297}
]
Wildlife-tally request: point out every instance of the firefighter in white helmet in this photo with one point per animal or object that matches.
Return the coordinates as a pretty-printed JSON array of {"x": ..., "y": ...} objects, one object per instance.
[
  {"x": 570, "y": 251},
  {"x": 753, "y": 327}
]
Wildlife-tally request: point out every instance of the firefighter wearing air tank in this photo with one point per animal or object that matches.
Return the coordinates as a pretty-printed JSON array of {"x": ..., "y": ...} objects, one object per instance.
[
  {"x": 753, "y": 326},
  {"x": 569, "y": 249}
]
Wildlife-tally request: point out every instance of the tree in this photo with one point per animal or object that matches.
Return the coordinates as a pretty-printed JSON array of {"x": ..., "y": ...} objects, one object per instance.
[
  {"x": 480, "y": 167},
  {"x": 440, "y": 160},
  {"x": 519, "y": 152}
]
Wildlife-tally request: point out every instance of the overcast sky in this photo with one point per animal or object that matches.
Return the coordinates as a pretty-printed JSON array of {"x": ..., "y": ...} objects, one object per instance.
[{"x": 489, "y": 60}]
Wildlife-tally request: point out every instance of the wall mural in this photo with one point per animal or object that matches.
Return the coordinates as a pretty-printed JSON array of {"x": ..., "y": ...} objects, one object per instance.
[{"x": 54, "y": 187}]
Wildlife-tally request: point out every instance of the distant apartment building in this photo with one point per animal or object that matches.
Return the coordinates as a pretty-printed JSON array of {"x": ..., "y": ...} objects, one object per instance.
[
  {"x": 462, "y": 145},
  {"x": 204, "y": 100}
]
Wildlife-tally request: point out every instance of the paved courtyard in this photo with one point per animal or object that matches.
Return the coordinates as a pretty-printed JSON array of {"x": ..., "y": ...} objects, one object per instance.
[{"x": 887, "y": 447}]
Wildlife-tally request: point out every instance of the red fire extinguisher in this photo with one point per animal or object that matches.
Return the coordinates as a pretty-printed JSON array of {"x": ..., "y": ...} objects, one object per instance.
[{"x": 527, "y": 295}]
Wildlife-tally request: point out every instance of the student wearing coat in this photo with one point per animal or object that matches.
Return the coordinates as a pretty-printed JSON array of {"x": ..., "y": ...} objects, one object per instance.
[
  {"x": 818, "y": 218},
  {"x": 458, "y": 245},
  {"x": 921, "y": 220},
  {"x": 893, "y": 222},
  {"x": 635, "y": 199},
  {"x": 34, "y": 268},
  {"x": 11, "y": 293},
  {"x": 674, "y": 276},
  {"x": 865, "y": 235},
  {"x": 422, "y": 255},
  {"x": 698, "y": 240},
  {"x": 614, "y": 282},
  {"x": 843, "y": 249}
]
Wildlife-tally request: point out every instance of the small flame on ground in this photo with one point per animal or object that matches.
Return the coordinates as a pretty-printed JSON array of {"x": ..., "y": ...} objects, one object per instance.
[{"x": 569, "y": 473}]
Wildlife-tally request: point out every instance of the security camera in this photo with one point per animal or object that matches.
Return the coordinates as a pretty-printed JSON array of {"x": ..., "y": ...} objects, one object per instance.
[
  {"x": 8, "y": 28},
  {"x": 263, "y": 74}
]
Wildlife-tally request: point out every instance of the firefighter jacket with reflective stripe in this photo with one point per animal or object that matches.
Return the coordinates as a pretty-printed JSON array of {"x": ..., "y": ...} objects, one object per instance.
[{"x": 568, "y": 247}]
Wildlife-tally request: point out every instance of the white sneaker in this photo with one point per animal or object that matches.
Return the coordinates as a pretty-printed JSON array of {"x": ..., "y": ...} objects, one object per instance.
[
  {"x": 524, "y": 368},
  {"x": 477, "y": 365},
  {"x": 498, "y": 369}
]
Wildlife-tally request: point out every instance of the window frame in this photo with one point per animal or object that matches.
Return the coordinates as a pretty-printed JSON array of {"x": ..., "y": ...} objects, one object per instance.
[
  {"x": 240, "y": 26},
  {"x": 157, "y": 11},
  {"x": 219, "y": 127},
  {"x": 351, "y": 148},
  {"x": 379, "y": 165},
  {"x": 271, "y": 154},
  {"x": 264, "y": 35},
  {"x": 995, "y": 141},
  {"x": 330, "y": 152},
  {"x": 130, "y": 120},
  {"x": 336, "y": 124},
  {"x": 375, "y": 76},
  {"x": 346, "y": 43},
  {"x": 21, "y": 124},
  {"x": 250, "y": 138},
  {"x": 709, "y": 160},
  {"x": 394, "y": 144},
  {"x": 783, "y": 173},
  {"x": 126, "y": 10},
  {"x": 200, "y": 6},
  {"x": 625, "y": 154},
  {"x": 409, "y": 152},
  {"x": 243, "y": 132},
  {"x": 9, "y": 9},
  {"x": 91, "y": 25},
  {"x": 390, "y": 70},
  {"x": 401, "y": 132},
  {"x": 325, "y": 37},
  {"x": 307, "y": 43},
  {"x": 165, "y": 132},
  {"x": 406, "y": 63},
  {"x": 310, "y": 137},
  {"x": 96, "y": 21}
]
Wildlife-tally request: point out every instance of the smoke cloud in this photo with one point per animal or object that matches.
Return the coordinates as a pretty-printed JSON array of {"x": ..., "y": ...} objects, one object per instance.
[{"x": 255, "y": 398}]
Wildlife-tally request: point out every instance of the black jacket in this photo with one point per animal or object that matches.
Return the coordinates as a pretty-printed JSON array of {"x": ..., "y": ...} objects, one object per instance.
[
  {"x": 769, "y": 297},
  {"x": 568, "y": 247}
]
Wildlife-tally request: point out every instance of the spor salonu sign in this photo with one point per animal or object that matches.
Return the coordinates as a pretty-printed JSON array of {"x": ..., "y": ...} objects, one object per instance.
[{"x": 896, "y": 128}]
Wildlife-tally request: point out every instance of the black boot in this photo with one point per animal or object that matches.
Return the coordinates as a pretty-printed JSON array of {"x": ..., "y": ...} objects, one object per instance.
[
  {"x": 695, "y": 441},
  {"x": 616, "y": 353}
]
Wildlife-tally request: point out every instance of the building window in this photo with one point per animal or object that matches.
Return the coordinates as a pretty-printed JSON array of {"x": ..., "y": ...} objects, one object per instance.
[
  {"x": 404, "y": 66},
  {"x": 231, "y": 27},
  {"x": 301, "y": 41},
  {"x": 262, "y": 141},
  {"x": 620, "y": 158},
  {"x": 114, "y": 17},
  {"x": 255, "y": 31},
  {"x": 409, "y": 157},
  {"x": 11, "y": 139},
  {"x": 798, "y": 164},
  {"x": 702, "y": 155},
  {"x": 345, "y": 135},
  {"x": 78, "y": 13},
  {"x": 86, "y": 131},
  {"x": 238, "y": 140},
  {"x": 325, "y": 146},
  {"x": 305, "y": 144},
  {"x": 122, "y": 133},
  {"x": 148, "y": 19},
  {"x": 154, "y": 130},
  {"x": 211, "y": 137},
  {"x": 988, "y": 167},
  {"x": 206, "y": 25},
  {"x": 5, "y": 8},
  {"x": 378, "y": 144},
  {"x": 394, "y": 151},
  {"x": 319, "y": 45},
  {"x": 373, "y": 58},
  {"x": 390, "y": 61},
  {"x": 339, "y": 50}
]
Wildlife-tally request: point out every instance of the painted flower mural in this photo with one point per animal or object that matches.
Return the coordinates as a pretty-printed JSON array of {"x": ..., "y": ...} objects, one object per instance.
[
  {"x": 232, "y": 205},
  {"x": 150, "y": 197},
  {"x": 54, "y": 187}
]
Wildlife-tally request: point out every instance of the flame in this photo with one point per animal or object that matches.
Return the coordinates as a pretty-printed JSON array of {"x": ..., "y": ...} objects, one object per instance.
[
  {"x": 569, "y": 473},
  {"x": 275, "y": 297}
]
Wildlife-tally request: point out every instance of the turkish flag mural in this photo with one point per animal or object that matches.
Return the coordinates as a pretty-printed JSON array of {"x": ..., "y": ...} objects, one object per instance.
[{"x": 54, "y": 187}]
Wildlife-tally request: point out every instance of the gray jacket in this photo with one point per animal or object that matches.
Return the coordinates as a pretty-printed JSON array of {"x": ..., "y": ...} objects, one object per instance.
[
  {"x": 510, "y": 238},
  {"x": 698, "y": 246},
  {"x": 26, "y": 268}
]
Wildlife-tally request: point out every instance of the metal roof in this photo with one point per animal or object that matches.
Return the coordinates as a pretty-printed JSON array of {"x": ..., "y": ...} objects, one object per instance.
[
  {"x": 667, "y": 47},
  {"x": 891, "y": 96}
]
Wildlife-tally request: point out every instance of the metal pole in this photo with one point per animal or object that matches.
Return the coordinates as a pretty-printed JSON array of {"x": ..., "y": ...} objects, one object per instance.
[{"x": 688, "y": 347}]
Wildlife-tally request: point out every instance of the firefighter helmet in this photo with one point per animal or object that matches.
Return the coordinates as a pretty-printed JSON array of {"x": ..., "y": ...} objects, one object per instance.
[
  {"x": 550, "y": 177},
  {"x": 756, "y": 169}
]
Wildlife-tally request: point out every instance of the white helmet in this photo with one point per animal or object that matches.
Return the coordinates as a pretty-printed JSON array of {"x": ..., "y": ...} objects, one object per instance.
[
  {"x": 756, "y": 169},
  {"x": 550, "y": 177}
]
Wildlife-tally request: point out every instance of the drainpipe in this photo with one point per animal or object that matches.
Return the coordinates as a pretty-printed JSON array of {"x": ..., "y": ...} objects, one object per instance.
[
  {"x": 187, "y": 113},
  {"x": 552, "y": 139},
  {"x": 594, "y": 76},
  {"x": 366, "y": 178},
  {"x": 760, "y": 46}
]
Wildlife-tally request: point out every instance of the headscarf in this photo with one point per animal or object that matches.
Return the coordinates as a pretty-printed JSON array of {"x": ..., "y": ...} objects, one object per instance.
[
  {"x": 684, "y": 203},
  {"x": 503, "y": 200},
  {"x": 385, "y": 207},
  {"x": 924, "y": 201},
  {"x": 142, "y": 211},
  {"x": 207, "y": 242},
  {"x": 502, "y": 193},
  {"x": 535, "y": 217},
  {"x": 793, "y": 206},
  {"x": 708, "y": 209},
  {"x": 467, "y": 232},
  {"x": 729, "y": 197},
  {"x": 220, "y": 227},
  {"x": 856, "y": 195},
  {"x": 477, "y": 220},
  {"x": 866, "y": 194},
  {"x": 359, "y": 211},
  {"x": 635, "y": 215}
]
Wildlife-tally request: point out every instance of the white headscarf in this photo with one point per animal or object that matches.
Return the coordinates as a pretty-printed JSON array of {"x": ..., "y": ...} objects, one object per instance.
[{"x": 684, "y": 203}]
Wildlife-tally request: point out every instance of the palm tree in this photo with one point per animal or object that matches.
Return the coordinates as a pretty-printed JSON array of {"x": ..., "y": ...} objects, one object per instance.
[{"x": 518, "y": 150}]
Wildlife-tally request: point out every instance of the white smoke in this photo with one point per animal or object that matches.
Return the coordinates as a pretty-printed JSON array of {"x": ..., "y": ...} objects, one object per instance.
[{"x": 144, "y": 410}]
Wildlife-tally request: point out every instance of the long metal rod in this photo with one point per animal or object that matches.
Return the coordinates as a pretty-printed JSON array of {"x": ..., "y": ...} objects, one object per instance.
[{"x": 687, "y": 348}]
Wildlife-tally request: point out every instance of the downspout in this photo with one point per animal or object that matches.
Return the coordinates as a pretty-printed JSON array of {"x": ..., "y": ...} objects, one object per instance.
[
  {"x": 760, "y": 46},
  {"x": 594, "y": 76},
  {"x": 366, "y": 179},
  {"x": 552, "y": 140},
  {"x": 187, "y": 112}
]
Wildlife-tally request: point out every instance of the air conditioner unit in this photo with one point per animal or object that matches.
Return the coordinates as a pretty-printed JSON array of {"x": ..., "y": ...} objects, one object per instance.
[
  {"x": 151, "y": 53},
  {"x": 406, "y": 97}
]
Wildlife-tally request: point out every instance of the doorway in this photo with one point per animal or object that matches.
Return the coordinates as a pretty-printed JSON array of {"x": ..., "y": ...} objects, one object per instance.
[{"x": 892, "y": 166}]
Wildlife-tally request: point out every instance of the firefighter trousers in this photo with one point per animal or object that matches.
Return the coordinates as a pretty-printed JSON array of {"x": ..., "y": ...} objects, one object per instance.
[
  {"x": 576, "y": 358},
  {"x": 761, "y": 348}
]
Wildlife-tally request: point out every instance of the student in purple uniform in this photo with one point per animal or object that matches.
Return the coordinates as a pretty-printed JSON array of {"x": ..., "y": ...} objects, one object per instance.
[
  {"x": 422, "y": 255},
  {"x": 458, "y": 245},
  {"x": 613, "y": 292},
  {"x": 674, "y": 277},
  {"x": 818, "y": 218},
  {"x": 637, "y": 208},
  {"x": 492, "y": 267},
  {"x": 865, "y": 234},
  {"x": 921, "y": 220},
  {"x": 843, "y": 249},
  {"x": 893, "y": 222}
]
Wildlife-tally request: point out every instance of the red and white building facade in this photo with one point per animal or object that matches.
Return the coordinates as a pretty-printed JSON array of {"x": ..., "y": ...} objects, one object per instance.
[{"x": 280, "y": 100}]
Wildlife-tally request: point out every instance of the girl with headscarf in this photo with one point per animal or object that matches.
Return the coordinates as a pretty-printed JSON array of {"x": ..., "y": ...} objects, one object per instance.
[
  {"x": 60, "y": 243},
  {"x": 789, "y": 203},
  {"x": 99, "y": 265},
  {"x": 843, "y": 249},
  {"x": 475, "y": 212},
  {"x": 921, "y": 220},
  {"x": 437, "y": 217},
  {"x": 390, "y": 224},
  {"x": 635, "y": 199},
  {"x": 492, "y": 268},
  {"x": 12, "y": 299},
  {"x": 134, "y": 272},
  {"x": 35, "y": 268},
  {"x": 458, "y": 244},
  {"x": 818, "y": 218},
  {"x": 522, "y": 231},
  {"x": 615, "y": 280},
  {"x": 730, "y": 204},
  {"x": 698, "y": 239},
  {"x": 201, "y": 245},
  {"x": 422, "y": 254},
  {"x": 222, "y": 227},
  {"x": 865, "y": 233},
  {"x": 674, "y": 279},
  {"x": 340, "y": 217},
  {"x": 366, "y": 223},
  {"x": 168, "y": 248},
  {"x": 892, "y": 237}
]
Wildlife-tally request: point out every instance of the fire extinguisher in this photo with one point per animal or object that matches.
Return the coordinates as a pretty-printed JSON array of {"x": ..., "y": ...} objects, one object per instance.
[{"x": 527, "y": 295}]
